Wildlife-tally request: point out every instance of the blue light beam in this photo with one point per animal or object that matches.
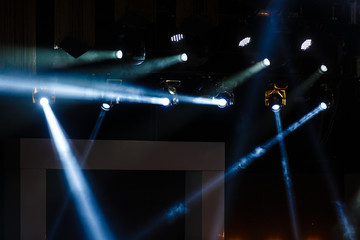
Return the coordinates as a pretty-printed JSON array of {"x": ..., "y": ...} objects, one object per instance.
[
  {"x": 348, "y": 229},
  {"x": 94, "y": 223},
  {"x": 241, "y": 164},
  {"x": 287, "y": 178}
]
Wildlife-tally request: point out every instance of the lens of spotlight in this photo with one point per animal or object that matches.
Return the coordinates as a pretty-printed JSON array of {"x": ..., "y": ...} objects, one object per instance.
[
  {"x": 119, "y": 54},
  {"x": 222, "y": 103},
  {"x": 244, "y": 42},
  {"x": 266, "y": 62},
  {"x": 323, "y": 69},
  {"x": 183, "y": 57},
  {"x": 165, "y": 101},
  {"x": 275, "y": 107},
  {"x": 306, "y": 44},
  {"x": 323, "y": 106},
  {"x": 44, "y": 101},
  {"x": 105, "y": 106}
]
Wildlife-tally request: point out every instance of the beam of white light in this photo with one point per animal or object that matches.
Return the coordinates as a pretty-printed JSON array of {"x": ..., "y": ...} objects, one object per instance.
[
  {"x": 240, "y": 78},
  {"x": 94, "y": 223},
  {"x": 287, "y": 178},
  {"x": 148, "y": 66},
  {"x": 241, "y": 164},
  {"x": 82, "y": 89}
]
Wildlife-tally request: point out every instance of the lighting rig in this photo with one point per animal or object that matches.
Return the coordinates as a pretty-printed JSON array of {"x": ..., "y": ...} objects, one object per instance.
[
  {"x": 40, "y": 93},
  {"x": 275, "y": 97},
  {"x": 171, "y": 87}
]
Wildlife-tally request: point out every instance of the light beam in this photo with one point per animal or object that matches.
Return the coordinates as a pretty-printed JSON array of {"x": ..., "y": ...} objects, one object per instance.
[
  {"x": 94, "y": 223},
  {"x": 241, "y": 164},
  {"x": 287, "y": 178},
  {"x": 240, "y": 78}
]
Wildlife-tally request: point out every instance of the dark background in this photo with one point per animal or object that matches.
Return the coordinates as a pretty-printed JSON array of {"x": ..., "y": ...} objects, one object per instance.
[{"x": 321, "y": 153}]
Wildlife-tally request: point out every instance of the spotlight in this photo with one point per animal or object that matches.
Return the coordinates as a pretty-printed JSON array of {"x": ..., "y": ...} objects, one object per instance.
[
  {"x": 106, "y": 106},
  {"x": 266, "y": 62},
  {"x": 222, "y": 103},
  {"x": 323, "y": 69},
  {"x": 323, "y": 106},
  {"x": 275, "y": 107},
  {"x": 171, "y": 86},
  {"x": 44, "y": 101},
  {"x": 244, "y": 42},
  {"x": 224, "y": 99},
  {"x": 183, "y": 57},
  {"x": 177, "y": 37},
  {"x": 39, "y": 94},
  {"x": 119, "y": 54},
  {"x": 306, "y": 44},
  {"x": 276, "y": 97},
  {"x": 165, "y": 102}
]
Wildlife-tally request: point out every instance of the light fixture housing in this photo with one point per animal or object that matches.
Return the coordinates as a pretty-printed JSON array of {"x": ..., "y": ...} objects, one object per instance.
[
  {"x": 171, "y": 87},
  {"x": 40, "y": 93},
  {"x": 275, "y": 97}
]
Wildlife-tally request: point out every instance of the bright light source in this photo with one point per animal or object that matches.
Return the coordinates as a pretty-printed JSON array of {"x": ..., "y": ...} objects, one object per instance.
[
  {"x": 275, "y": 107},
  {"x": 244, "y": 42},
  {"x": 266, "y": 62},
  {"x": 177, "y": 37},
  {"x": 165, "y": 101},
  {"x": 323, "y": 69},
  {"x": 183, "y": 57},
  {"x": 119, "y": 54},
  {"x": 323, "y": 106},
  {"x": 44, "y": 101},
  {"x": 306, "y": 44},
  {"x": 222, "y": 103},
  {"x": 105, "y": 106}
]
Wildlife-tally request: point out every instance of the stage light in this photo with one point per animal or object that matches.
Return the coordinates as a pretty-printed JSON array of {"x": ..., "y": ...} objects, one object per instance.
[
  {"x": 323, "y": 106},
  {"x": 119, "y": 54},
  {"x": 171, "y": 86},
  {"x": 275, "y": 107},
  {"x": 177, "y": 37},
  {"x": 165, "y": 102},
  {"x": 306, "y": 44},
  {"x": 245, "y": 41},
  {"x": 222, "y": 103},
  {"x": 106, "y": 106},
  {"x": 323, "y": 69},
  {"x": 39, "y": 93},
  {"x": 183, "y": 57},
  {"x": 266, "y": 62},
  {"x": 276, "y": 97},
  {"x": 44, "y": 101},
  {"x": 224, "y": 98}
]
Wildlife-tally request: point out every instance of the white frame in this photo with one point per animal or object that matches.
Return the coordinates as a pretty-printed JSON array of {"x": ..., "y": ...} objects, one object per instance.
[{"x": 38, "y": 155}]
